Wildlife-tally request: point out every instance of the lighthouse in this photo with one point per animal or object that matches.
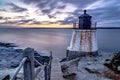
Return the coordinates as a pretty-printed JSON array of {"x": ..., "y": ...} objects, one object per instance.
[{"x": 83, "y": 41}]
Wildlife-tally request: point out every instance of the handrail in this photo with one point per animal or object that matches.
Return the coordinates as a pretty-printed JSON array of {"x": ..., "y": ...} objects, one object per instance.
[
  {"x": 28, "y": 66},
  {"x": 50, "y": 63},
  {"x": 19, "y": 67},
  {"x": 48, "y": 68},
  {"x": 37, "y": 62}
]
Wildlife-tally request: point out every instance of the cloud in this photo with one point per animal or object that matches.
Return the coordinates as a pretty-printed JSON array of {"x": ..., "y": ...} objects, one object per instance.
[
  {"x": 23, "y": 21},
  {"x": 48, "y": 7},
  {"x": 2, "y": 10},
  {"x": 16, "y": 8},
  {"x": 33, "y": 1},
  {"x": 79, "y": 3},
  {"x": 106, "y": 13},
  {"x": 1, "y": 17},
  {"x": 4, "y": 18}
]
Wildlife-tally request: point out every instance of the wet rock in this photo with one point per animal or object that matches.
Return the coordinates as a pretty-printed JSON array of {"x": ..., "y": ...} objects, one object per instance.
[
  {"x": 69, "y": 75},
  {"x": 7, "y": 77},
  {"x": 7, "y": 44},
  {"x": 111, "y": 75},
  {"x": 91, "y": 70},
  {"x": 43, "y": 59},
  {"x": 14, "y": 63},
  {"x": 67, "y": 72},
  {"x": 19, "y": 50},
  {"x": 114, "y": 63},
  {"x": 63, "y": 60},
  {"x": 69, "y": 67}
]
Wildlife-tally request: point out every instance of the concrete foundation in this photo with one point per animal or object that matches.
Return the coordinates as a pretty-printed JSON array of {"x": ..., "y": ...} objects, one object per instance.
[{"x": 75, "y": 54}]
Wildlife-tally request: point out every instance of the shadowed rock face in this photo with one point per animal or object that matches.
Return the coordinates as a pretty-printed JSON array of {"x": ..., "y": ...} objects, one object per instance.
[
  {"x": 7, "y": 44},
  {"x": 7, "y": 77},
  {"x": 114, "y": 63},
  {"x": 9, "y": 57},
  {"x": 41, "y": 59}
]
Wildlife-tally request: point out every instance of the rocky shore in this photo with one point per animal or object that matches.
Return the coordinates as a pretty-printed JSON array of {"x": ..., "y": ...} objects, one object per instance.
[
  {"x": 11, "y": 57},
  {"x": 93, "y": 67},
  {"x": 105, "y": 66}
]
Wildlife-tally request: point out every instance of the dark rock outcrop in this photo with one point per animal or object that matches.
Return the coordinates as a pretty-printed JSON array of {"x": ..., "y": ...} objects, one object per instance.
[
  {"x": 7, "y": 77},
  {"x": 14, "y": 63},
  {"x": 114, "y": 63},
  {"x": 7, "y": 44},
  {"x": 41, "y": 59}
]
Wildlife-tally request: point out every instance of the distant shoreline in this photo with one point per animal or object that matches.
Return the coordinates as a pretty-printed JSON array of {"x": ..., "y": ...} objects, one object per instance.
[{"x": 64, "y": 28}]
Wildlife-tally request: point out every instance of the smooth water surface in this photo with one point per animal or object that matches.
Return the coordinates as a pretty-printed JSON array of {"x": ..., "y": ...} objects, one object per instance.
[{"x": 57, "y": 40}]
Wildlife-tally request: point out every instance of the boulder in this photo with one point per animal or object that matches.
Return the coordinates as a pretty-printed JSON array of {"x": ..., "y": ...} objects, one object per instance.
[
  {"x": 7, "y": 77},
  {"x": 97, "y": 68},
  {"x": 91, "y": 70},
  {"x": 14, "y": 63},
  {"x": 19, "y": 50},
  {"x": 7, "y": 44},
  {"x": 114, "y": 63}
]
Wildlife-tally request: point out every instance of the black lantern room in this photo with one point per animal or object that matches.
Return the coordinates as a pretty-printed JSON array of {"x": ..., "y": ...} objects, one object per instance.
[{"x": 85, "y": 21}]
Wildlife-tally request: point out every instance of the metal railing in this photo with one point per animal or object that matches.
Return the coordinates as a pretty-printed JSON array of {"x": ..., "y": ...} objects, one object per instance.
[
  {"x": 28, "y": 66},
  {"x": 93, "y": 25}
]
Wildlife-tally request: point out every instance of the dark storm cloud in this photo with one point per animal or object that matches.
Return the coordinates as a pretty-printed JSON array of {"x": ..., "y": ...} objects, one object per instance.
[{"x": 16, "y": 8}]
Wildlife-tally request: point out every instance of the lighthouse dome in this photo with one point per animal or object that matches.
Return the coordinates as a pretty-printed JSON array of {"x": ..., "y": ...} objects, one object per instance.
[{"x": 85, "y": 21}]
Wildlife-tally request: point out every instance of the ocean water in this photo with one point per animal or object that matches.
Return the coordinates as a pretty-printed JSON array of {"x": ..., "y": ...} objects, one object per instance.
[{"x": 57, "y": 40}]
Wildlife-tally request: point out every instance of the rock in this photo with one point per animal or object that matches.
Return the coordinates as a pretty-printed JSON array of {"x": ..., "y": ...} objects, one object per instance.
[
  {"x": 41, "y": 58},
  {"x": 91, "y": 70},
  {"x": 14, "y": 63},
  {"x": 63, "y": 60},
  {"x": 69, "y": 67},
  {"x": 64, "y": 68},
  {"x": 18, "y": 56},
  {"x": 19, "y": 50},
  {"x": 111, "y": 75},
  {"x": 95, "y": 68},
  {"x": 3, "y": 64},
  {"x": 114, "y": 63},
  {"x": 67, "y": 71},
  {"x": 118, "y": 68},
  {"x": 7, "y": 77},
  {"x": 69, "y": 75},
  {"x": 7, "y": 44}
]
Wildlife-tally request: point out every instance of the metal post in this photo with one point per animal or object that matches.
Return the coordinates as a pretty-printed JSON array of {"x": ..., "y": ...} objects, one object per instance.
[
  {"x": 29, "y": 64},
  {"x": 45, "y": 69},
  {"x": 50, "y": 63}
]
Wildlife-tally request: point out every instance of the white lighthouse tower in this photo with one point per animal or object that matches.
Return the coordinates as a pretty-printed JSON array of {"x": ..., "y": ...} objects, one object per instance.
[{"x": 83, "y": 42}]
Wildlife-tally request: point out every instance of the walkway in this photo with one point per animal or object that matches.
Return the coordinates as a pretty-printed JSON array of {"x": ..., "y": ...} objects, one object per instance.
[{"x": 56, "y": 73}]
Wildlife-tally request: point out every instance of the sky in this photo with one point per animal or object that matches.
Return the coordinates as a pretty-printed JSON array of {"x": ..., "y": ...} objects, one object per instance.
[{"x": 57, "y": 13}]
